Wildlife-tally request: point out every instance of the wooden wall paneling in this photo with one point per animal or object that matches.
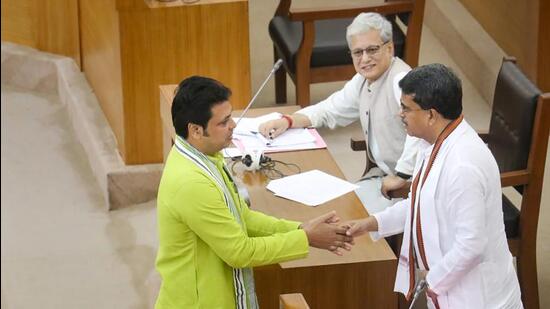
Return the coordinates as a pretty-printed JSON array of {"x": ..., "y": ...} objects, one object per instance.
[
  {"x": 19, "y": 22},
  {"x": 58, "y": 28},
  {"x": 138, "y": 61},
  {"x": 100, "y": 42},
  {"x": 130, "y": 47},
  {"x": 47, "y": 25},
  {"x": 165, "y": 44},
  {"x": 513, "y": 25}
]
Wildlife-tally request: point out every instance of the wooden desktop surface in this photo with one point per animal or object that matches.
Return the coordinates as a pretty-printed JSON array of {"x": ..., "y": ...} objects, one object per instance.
[{"x": 362, "y": 278}]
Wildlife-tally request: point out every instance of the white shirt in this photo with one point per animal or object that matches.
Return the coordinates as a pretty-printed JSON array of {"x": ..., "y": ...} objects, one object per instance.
[
  {"x": 342, "y": 108},
  {"x": 462, "y": 227}
]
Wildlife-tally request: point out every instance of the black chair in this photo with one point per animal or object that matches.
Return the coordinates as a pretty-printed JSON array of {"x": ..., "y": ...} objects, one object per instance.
[
  {"x": 312, "y": 42},
  {"x": 518, "y": 138}
]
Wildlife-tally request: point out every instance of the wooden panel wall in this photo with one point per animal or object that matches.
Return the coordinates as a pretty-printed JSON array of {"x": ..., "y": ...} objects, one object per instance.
[
  {"x": 18, "y": 22},
  {"x": 100, "y": 41},
  {"x": 518, "y": 27},
  {"x": 47, "y": 25},
  {"x": 130, "y": 47},
  {"x": 165, "y": 44},
  {"x": 543, "y": 78}
]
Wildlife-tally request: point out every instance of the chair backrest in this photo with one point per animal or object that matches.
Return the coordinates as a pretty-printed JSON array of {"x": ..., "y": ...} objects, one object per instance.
[
  {"x": 330, "y": 45},
  {"x": 408, "y": 52},
  {"x": 312, "y": 42},
  {"x": 512, "y": 119},
  {"x": 518, "y": 138}
]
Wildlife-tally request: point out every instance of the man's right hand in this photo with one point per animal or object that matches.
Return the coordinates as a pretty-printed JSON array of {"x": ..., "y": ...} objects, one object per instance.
[
  {"x": 323, "y": 233},
  {"x": 360, "y": 227},
  {"x": 273, "y": 128}
]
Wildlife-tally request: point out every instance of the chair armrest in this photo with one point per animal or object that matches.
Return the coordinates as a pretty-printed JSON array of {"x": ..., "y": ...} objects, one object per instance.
[
  {"x": 357, "y": 144},
  {"x": 514, "y": 178},
  {"x": 293, "y": 301},
  {"x": 307, "y": 14}
]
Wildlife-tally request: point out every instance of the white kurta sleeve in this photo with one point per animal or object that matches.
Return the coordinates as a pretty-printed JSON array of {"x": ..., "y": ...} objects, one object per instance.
[
  {"x": 339, "y": 109},
  {"x": 465, "y": 204},
  {"x": 391, "y": 221}
]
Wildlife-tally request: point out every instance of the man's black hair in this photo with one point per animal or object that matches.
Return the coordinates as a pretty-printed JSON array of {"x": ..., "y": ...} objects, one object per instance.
[
  {"x": 193, "y": 102},
  {"x": 434, "y": 86}
]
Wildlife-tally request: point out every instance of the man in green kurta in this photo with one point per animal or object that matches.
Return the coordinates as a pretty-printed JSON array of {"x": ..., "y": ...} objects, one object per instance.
[{"x": 209, "y": 239}]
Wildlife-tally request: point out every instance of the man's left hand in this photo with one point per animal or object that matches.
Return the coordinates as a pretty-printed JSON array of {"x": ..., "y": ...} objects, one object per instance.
[{"x": 390, "y": 183}]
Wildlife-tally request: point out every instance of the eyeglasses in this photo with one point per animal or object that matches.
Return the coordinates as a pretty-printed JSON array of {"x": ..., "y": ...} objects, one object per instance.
[{"x": 372, "y": 50}]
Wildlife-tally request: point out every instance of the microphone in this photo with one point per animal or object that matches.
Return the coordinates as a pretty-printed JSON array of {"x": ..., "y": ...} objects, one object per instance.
[
  {"x": 276, "y": 66},
  {"x": 420, "y": 287},
  {"x": 253, "y": 159}
]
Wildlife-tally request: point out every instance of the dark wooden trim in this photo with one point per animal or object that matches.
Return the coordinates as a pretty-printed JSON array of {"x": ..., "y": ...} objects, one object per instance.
[
  {"x": 513, "y": 244},
  {"x": 283, "y": 7},
  {"x": 350, "y": 11},
  {"x": 414, "y": 33},
  {"x": 514, "y": 178},
  {"x": 333, "y": 73},
  {"x": 530, "y": 205},
  {"x": 280, "y": 79},
  {"x": 303, "y": 59}
]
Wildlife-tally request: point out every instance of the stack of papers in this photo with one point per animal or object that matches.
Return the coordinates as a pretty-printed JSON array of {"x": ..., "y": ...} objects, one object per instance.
[
  {"x": 310, "y": 188},
  {"x": 246, "y": 136}
]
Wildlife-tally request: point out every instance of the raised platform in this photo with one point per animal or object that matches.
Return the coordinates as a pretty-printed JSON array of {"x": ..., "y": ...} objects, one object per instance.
[{"x": 122, "y": 185}]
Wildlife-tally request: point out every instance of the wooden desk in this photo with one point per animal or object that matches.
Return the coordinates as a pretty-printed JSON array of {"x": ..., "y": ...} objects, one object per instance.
[{"x": 362, "y": 278}]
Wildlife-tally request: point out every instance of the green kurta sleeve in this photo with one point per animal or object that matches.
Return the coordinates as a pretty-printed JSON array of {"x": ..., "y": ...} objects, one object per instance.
[
  {"x": 260, "y": 224},
  {"x": 210, "y": 218}
]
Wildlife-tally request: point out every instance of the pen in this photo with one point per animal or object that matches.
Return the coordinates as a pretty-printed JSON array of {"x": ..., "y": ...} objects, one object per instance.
[
  {"x": 263, "y": 139},
  {"x": 271, "y": 134}
]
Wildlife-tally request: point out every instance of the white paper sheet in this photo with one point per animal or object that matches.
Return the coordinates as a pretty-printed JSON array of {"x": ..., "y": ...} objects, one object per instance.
[
  {"x": 246, "y": 126},
  {"x": 292, "y": 137},
  {"x": 247, "y": 133},
  {"x": 288, "y": 138},
  {"x": 310, "y": 188}
]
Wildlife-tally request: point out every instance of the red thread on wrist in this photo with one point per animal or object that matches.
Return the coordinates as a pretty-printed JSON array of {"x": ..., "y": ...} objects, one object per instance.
[{"x": 288, "y": 119}]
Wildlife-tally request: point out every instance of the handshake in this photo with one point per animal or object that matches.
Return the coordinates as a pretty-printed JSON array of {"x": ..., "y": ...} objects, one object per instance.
[{"x": 324, "y": 232}]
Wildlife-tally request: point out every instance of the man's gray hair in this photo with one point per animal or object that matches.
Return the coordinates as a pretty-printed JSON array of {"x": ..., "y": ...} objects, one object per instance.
[{"x": 365, "y": 22}]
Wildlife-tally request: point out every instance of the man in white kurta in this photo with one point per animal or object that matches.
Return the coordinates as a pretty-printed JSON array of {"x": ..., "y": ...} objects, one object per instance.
[
  {"x": 453, "y": 217},
  {"x": 372, "y": 97}
]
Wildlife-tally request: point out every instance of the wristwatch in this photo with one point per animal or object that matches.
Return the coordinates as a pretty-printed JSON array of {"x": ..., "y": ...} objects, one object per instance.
[{"x": 403, "y": 175}]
